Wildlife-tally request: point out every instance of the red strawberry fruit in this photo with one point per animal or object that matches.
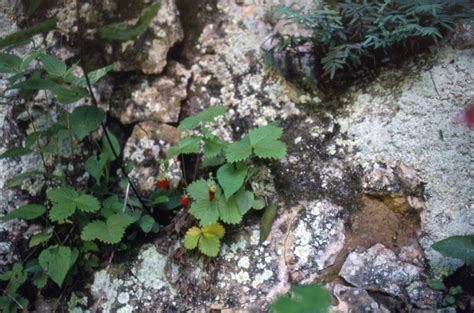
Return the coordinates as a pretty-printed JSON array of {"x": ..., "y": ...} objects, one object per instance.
[
  {"x": 184, "y": 201},
  {"x": 212, "y": 195},
  {"x": 164, "y": 184}
]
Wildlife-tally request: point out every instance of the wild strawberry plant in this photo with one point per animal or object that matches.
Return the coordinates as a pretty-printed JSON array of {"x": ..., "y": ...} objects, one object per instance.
[{"x": 229, "y": 195}]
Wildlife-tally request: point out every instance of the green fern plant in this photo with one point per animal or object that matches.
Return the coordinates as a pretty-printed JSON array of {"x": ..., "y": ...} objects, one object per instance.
[{"x": 350, "y": 35}]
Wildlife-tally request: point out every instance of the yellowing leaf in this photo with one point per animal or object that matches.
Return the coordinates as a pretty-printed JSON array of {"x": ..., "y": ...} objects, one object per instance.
[
  {"x": 206, "y": 238},
  {"x": 215, "y": 229}
]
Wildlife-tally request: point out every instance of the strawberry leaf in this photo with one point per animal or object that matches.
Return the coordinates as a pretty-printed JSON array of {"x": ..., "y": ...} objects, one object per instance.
[
  {"x": 207, "y": 115},
  {"x": 110, "y": 232},
  {"x": 231, "y": 177},
  {"x": 206, "y": 238},
  {"x": 239, "y": 150}
]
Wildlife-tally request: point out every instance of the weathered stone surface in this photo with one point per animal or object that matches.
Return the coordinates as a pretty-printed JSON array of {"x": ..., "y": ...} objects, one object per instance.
[
  {"x": 412, "y": 119},
  {"x": 380, "y": 269},
  {"x": 354, "y": 300},
  {"x": 157, "y": 99},
  {"x": 145, "y": 148}
]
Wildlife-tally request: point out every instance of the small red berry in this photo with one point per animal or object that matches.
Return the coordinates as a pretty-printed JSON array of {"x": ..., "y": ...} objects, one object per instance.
[
  {"x": 164, "y": 184},
  {"x": 184, "y": 201},
  {"x": 212, "y": 195}
]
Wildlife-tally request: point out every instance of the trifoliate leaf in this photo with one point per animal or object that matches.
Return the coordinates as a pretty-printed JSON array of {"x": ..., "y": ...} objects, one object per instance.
[
  {"x": 66, "y": 201},
  {"x": 199, "y": 190},
  {"x": 238, "y": 151},
  {"x": 207, "y": 212},
  {"x": 146, "y": 223},
  {"x": 26, "y": 212},
  {"x": 207, "y": 238},
  {"x": 229, "y": 211},
  {"x": 110, "y": 232},
  {"x": 245, "y": 200},
  {"x": 191, "y": 144},
  {"x": 56, "y": 262},
  {"x": 207, "y": 115},
  {"x": 85, "y": 119},
  {"x": 459, "y": 247},
  {"x": 231, "y": 177},
  {"x": 52, "y": 65},
  {"x": 191, "y": 238},
  {"x": 39, "y": 238},
  {"x": 304, "y": 299},
  {"x": 267, "y": 221}
]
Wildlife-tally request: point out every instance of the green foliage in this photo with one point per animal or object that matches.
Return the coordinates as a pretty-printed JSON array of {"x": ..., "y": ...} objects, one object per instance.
[
  {"x": 123, "y": 31},
  {"x": 86, "y": 119},
  {"x": 229, "y": 196},
  {"x": 111, "y": 231},
  {"x": 66, "y": 201},
  {"x": 350, "y": 35},
  {"x": 56, "y": 262},
  {"x": 459, "y": 247},
  {"x": 206, "y": 238},
  {"x": 26, "y": 212},
  {"x": 25, "y": 34},
  {"x": 266, "y": 222},
  {"x": 303, "y": 299}
]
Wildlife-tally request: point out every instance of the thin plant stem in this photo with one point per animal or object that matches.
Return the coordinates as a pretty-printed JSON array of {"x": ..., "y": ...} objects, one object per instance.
[{"x": 38, "y": 144}]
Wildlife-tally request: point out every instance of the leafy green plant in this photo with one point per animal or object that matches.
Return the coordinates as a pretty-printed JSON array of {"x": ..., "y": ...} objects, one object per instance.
[
  {"x": 350, "y": 35},
  {"x": 449, "y": 298},
  {"x": 228, "y": 196},
  {"x": 303, "y": 299},
  {"x": 459, "y": 247}
]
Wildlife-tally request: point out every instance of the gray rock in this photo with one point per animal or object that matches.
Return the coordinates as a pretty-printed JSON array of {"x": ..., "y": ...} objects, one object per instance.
[
  {"x": 145, "y": 148},
  {"x": 157, "y": 99},
  {"x": 380, "y": 269},
  {"x": 355, "y": 300}
]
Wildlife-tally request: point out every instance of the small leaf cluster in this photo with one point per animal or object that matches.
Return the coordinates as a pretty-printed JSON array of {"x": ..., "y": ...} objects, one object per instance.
[
  {"x": 228, "y": 196},
  {"x": 348, "y": 35},
  {"x": 303, "y": 299},
  {"x": 451, "y": 293}
]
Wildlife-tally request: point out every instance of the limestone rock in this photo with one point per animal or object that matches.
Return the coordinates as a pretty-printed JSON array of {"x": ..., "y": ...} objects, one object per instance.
[
  {"x": 145, "y": 148},
  {"x": 379, "y": 268},
  {"x": 158, "y": 99}
]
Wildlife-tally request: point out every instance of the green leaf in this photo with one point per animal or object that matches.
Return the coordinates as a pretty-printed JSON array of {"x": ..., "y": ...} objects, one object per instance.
[
  {"x": 459, "y": 247},
  {"x": 39, "y": 238},
  {"x": 258, "y": 204},
  {"x": 87, "y": 203},
  {"x": 18, "y": 180},
  {"x": 66, "y": 201},
  {"x": 229, "y": 211},
  {"x": 207, "y": 212},
  {"x": 26, "y": 212},
  {"x": 22, "y": 35},
  {"x": 231, "y": 177},
  {"x": 212, "y": 147},
  {"x": 245, "y": 200},
  {"x": 239, "y": 150},
  {"x": 146, "y": 223},
  {"x": 304, "y": 299},
  {"x": 40, "y": 279},
  {"x": 207, "y": 238},
  {"x": 10, "y": 63},
  {"x": 265, "y": 144},
  {"x": 15, "y": 152},
  {"x": 85, "y": 119},
  {"x": 207, "y": 115},
  {"x": 95, "y": 76},
  {"x": 66, "y": 95},
  {"x": 191, "y": 144},
  {"x": 267, "y": 221},
  {"x": 199, "y": 190},
  {"x": 110, "y": 232},
  {"x": 436, "y": 284},
  {"x": 123, "y": 31},
  {"x": 94, "y": 166},
  {"x": 52, "y": 65},
  {"x": 209, "y": 162},
  {"x": 56, "y": 262},
  {"x": 108, "y": 148},
  {"x": 454, "y": 291},
  {"x": 32, "y": 7}
]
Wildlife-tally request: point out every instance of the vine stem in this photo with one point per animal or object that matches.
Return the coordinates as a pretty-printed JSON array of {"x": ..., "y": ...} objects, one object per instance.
[
  {"x": 40, "y": 149},
  {"x": 94, "y": 101}
]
